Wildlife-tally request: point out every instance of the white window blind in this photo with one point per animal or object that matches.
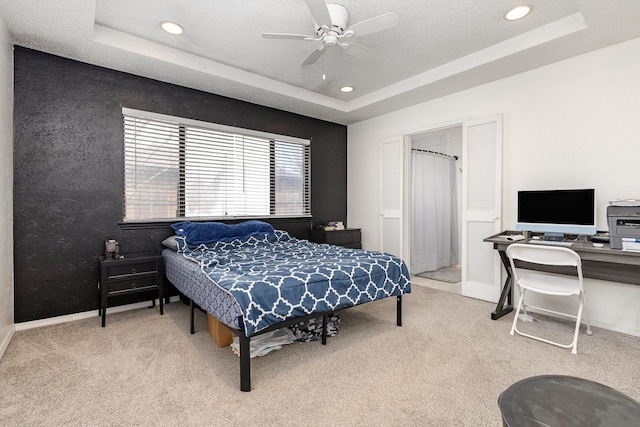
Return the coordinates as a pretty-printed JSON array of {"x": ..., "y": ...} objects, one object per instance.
[{"x": 180, "y": 168}]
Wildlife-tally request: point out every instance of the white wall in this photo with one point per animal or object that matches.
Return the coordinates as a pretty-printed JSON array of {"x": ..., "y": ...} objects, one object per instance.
[
  {"x": 6, "y": 188},
  {"x": 567, "y": 125}
]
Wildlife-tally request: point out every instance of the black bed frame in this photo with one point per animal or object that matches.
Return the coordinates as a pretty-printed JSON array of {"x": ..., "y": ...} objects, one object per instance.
[{"x": 245, "y": 355}]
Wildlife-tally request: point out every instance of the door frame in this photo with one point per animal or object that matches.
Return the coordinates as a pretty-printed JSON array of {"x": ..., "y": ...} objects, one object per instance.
[{"x": 403, "y": 150}]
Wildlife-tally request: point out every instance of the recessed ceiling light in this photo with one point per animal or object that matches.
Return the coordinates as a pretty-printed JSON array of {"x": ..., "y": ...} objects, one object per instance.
[
  {"x": 517, "y": 12},
  {"x": 346, "y": 89},
  {"x": 171, "y": 27}
]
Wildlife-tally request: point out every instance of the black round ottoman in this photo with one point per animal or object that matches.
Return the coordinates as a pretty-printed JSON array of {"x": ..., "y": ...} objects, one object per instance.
[{"x": 563, "y": 401}]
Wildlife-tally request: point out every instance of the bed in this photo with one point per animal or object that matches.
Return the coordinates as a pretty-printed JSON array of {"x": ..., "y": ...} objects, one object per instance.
[{"x": 255, "y": 279}]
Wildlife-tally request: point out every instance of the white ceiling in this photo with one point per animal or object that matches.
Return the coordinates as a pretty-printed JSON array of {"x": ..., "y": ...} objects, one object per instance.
[{"x": 439, "y": 46}]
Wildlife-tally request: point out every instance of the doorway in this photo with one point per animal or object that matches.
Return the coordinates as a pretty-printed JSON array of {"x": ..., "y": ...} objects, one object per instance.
[
  {"x": 435, "y": 216},
  {"x": 479, "y": 185}
]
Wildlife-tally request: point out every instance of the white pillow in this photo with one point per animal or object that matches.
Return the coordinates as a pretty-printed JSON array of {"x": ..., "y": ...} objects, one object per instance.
[{"x": 170, "y": 242}]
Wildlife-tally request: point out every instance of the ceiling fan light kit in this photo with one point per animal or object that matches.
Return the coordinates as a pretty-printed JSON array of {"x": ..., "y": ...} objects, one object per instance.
[
  {"x": 330, "y": 23},
  {"x": 339, "y": 18}
]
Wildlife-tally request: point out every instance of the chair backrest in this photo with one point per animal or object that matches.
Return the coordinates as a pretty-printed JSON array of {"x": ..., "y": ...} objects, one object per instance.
[
  {"x": 547, "y": 255},
  {"x": 544, "y": 255}
]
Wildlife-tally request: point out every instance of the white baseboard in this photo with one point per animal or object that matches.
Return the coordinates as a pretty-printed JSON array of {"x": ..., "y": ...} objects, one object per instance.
[
  {"x": 84, "y": 315},
  {"x": 615, "y": 328},
  {"x": 6, "y": 340},
  {"x": 595, "y": 323}
]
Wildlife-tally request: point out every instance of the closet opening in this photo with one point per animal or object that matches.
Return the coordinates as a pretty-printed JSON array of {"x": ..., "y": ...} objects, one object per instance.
[{"x": 435, "y": 207}]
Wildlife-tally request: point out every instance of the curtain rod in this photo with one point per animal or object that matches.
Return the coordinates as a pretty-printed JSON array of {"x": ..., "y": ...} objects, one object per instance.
[{"x": 435, "y": 152}]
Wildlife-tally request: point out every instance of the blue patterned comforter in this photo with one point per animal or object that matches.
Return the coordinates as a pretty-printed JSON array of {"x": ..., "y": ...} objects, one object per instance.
[{"x": 275, "y": 277}]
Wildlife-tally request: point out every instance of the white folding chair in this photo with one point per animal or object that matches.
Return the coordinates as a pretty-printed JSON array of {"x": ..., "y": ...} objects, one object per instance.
[{"x": 548, "y": 284}]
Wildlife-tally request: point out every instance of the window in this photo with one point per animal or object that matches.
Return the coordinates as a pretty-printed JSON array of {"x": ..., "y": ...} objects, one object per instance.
[{"x": 181, "y": 168}]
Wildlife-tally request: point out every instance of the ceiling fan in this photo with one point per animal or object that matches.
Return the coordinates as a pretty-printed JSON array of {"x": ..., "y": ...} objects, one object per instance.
[{"x": 330, "y": 24}]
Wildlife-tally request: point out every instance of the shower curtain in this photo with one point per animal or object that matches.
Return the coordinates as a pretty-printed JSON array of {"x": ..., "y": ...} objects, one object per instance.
[{"x": 434, "y": 212}]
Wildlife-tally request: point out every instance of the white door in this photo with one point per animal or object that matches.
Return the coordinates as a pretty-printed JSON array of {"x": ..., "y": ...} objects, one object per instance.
[
  {"x": 391, "y": 200},
  {"x": 481, "y": 206}
]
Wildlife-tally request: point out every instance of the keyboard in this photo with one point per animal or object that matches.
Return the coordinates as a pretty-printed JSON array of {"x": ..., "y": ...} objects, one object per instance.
[{"x": 550, "y": 242}]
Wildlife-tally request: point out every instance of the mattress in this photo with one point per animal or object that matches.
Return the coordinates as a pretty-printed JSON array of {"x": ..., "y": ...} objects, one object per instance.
[{"x": 189, "y": 279}]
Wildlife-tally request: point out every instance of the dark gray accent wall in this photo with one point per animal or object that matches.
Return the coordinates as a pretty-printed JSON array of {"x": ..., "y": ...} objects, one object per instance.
[{"x": 68, "y": 172}]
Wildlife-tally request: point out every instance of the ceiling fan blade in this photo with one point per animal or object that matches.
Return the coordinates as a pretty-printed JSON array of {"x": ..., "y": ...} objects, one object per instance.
[
  {"x": 373, "y": 25},
  {"x": 313, "y": 56},
  {"x": 359, "y": 51},
  {"x": 286, "y": 36},
  {"x": 319, "y": 12}
]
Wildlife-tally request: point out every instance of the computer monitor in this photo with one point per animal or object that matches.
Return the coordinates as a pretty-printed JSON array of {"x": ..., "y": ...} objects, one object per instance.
[{"x": 557, "y": 211}]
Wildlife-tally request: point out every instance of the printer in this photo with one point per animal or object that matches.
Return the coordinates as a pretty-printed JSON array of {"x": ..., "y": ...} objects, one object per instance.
[{"x": 624, "y": 222}]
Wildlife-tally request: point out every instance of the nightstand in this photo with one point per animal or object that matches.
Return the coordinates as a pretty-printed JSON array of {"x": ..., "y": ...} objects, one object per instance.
[
  {"x": 133, "y": 273},
  {"x": 349, "y": 238}
]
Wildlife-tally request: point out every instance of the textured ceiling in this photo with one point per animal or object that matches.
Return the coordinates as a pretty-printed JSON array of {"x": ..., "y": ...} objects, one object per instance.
[{"x": 438, "y": 46}]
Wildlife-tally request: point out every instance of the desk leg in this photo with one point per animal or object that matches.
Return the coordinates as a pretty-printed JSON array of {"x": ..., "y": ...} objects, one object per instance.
[{"x": 501, "y": 308}]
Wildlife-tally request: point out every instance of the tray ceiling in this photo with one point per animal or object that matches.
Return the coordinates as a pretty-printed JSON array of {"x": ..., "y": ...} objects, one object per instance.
[{"x": 438, "y": 47}]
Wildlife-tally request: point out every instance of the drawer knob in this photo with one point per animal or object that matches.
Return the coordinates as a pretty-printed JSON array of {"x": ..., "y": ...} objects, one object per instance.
[{"x": 133, "y": 270}]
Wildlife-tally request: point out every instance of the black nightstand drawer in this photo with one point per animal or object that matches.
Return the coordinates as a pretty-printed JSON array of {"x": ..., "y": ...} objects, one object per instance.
[
  {"x": 352, "y": 245},
  {"x": 342, "y": 237},
  {"x": 140, "y": 267},
  {"x": 349, "y": 238},
  {"x": 138, "y": 283}
]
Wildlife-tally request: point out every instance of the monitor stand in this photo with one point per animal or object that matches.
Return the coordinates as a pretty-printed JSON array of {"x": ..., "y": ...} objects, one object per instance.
[{"x": 554, "y": 237}]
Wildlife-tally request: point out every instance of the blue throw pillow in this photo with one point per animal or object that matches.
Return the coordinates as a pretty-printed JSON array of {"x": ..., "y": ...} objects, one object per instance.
[{"x": 207, "y": 232}]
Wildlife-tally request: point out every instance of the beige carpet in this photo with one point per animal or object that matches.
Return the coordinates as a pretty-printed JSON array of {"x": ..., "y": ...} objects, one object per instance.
[{"x": 445, "y": 367}]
